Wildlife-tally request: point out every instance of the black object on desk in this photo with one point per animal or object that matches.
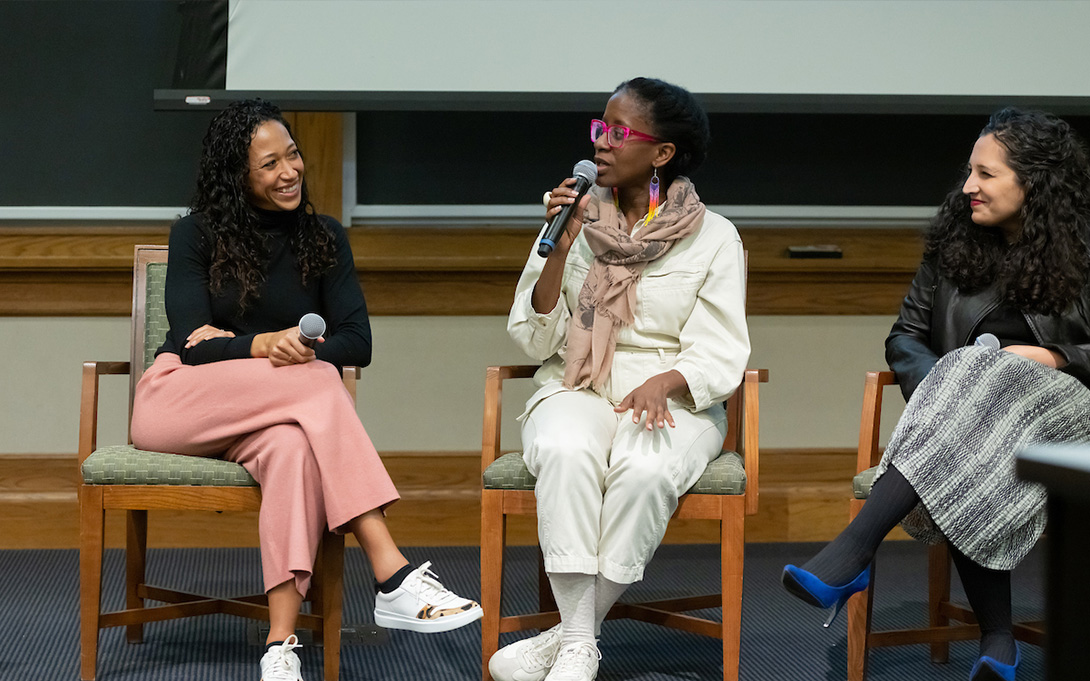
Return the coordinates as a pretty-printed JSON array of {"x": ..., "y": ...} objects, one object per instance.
[{"x": 1065, "y": 471}]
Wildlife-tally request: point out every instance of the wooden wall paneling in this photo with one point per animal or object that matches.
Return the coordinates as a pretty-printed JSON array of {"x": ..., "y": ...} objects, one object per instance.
[
  {"x": 77, "y": 270},
  {"x": 804, "y": 497}
]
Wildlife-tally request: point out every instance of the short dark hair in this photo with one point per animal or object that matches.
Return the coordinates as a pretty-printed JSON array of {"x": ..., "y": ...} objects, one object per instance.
[{"x": 677, "y": 117}]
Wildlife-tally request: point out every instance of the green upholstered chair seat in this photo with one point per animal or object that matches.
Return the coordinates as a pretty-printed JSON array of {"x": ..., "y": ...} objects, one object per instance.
[
  {"x": 862, "y": 483},
  {"x": 726, "y": 475},
  {"x": 127, "y": 465}
]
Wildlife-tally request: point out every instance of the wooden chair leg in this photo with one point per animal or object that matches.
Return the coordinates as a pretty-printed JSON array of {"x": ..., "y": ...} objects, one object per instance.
[
  {"x": 859, "y": 608},
  {"x": 493, "y": 535},
  {"x": 545, "y": 600},
  {"x": 938, "y": 592},
  {"x": 331, "y": 600},
  {"x": 732, "y": 554},
  {"x": 91, "y": 531},
  {"x": 136, "y": 556}
]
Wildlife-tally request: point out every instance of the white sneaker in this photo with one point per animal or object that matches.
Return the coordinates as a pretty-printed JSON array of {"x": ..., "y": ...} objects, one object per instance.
[
  {"x": 575, "y": 662},
  {"x": 422, "y": 604},
  {"x": 526, "y": 660},
  {"x": 281, "y": 663}
]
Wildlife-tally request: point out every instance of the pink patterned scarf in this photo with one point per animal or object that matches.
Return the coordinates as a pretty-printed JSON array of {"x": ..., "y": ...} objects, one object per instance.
[{"x": 608, "y": 297}]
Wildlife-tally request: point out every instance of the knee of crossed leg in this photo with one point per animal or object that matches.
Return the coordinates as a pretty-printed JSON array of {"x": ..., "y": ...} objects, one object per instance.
[{"x": 288, "y": 453}]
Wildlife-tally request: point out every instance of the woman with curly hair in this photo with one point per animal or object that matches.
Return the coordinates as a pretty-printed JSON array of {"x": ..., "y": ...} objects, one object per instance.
[
  {"x": 992, "y": 352},
  {"x": 639, "y": 316},
  {"x": 234, "y": 379}
]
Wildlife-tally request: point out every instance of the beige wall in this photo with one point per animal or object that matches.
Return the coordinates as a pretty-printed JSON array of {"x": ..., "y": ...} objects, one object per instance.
[{"x": 424, "y": 390}]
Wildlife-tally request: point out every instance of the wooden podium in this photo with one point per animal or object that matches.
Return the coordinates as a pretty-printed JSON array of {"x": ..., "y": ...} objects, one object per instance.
[{"x": 1065, "y": 471}]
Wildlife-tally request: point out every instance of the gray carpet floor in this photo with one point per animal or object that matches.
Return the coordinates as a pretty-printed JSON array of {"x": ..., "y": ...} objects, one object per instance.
[{"x": 781, "y": 637}]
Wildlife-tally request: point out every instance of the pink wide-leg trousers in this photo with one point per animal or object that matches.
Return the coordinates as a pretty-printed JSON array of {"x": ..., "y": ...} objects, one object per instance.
[{"x": 294, "y": 428}]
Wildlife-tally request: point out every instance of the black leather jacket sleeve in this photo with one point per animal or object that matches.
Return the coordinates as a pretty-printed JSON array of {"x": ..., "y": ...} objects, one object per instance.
[
  {"x": 936, "y": 318},
  {"x": 1071, "y": 338},
  {"x": 908, "y": 346}
]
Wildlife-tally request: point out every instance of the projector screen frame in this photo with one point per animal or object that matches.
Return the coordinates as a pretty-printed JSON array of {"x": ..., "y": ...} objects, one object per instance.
[{"x": 300, "y": 100}]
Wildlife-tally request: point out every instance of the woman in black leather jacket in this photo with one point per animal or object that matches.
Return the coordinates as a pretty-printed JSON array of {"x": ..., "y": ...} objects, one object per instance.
[{"x": 992, "y": 352}]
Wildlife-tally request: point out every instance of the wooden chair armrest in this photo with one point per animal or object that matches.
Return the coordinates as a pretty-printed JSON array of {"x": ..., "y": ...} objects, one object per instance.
[
  {"x": 515, "y": 371},
  {"x": 870, "y": 420},
  {"x": 749, "y": 443},
  {"x": 494, "y": 376},
  {"x": 349, "y": 375},
  {"x": 88, "y": 406}
]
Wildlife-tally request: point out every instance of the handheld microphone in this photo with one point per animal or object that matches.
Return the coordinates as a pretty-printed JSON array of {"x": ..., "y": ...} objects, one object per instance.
[
  {"x": 585, "y": 173},
  {"x": 311, "y": 327},
  {"x": 987, "y": 340}
]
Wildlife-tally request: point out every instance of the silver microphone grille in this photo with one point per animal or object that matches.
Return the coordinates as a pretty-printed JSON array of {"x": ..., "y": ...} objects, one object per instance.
[
  {"x": 987, "y": 340},
  {"x": 311, "y": 325},
  {"x": 585, "y": 169}
]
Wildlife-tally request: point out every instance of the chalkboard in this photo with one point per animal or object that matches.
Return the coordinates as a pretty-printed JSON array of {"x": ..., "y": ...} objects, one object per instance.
[
  {"x": 773, "y": 159},
  {"x": 78, "y": 123}
]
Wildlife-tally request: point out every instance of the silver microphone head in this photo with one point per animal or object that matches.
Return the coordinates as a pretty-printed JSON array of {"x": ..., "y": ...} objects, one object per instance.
[
  {"x": 987, "y": 340},
  {"x": 585, "y": 169},
  {"x": 311, "y": 326}
]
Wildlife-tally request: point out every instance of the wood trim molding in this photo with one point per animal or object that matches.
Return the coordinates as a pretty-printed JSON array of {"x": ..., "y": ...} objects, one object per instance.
[
  {"x": 321, "y": 138},
  {"x": 86, "y": 270}
]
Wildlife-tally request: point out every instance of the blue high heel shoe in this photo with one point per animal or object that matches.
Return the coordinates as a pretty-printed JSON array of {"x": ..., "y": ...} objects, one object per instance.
[
  {"x": 990, "y": 669},
  {"x": 817, "y": 593}
]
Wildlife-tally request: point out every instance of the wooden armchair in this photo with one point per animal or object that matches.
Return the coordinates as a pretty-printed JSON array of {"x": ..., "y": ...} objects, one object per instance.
[
  {"x": 726, "y": 493},
  {"x": 121, "y": 477},
  {"x": 941, "y": 610}
]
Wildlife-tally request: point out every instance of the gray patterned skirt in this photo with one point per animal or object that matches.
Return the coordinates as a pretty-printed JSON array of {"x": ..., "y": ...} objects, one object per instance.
[{"x": 956, "y": 443}]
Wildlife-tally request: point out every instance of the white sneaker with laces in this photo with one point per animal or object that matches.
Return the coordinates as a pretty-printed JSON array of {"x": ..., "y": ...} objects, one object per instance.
[
  {"x": 281, "y": 663},
  {"x": 576, "y": 662},
  {"x": 527, "y": 660},
  {"x": 424, "y": 605}
]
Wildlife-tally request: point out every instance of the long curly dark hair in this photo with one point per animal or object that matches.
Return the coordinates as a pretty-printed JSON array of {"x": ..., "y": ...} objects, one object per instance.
[
  {"x": 677, "y": 117},
  {"x": 1047, "y": 267},
  {"x": 239, "y": 253}
]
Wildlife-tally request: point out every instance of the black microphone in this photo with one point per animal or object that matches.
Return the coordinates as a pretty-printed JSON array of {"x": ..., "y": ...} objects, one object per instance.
[
  {"x": 311, "y": 327},
  {"x": 585, "y": 173},
  {"x": 987, "y": 340}
]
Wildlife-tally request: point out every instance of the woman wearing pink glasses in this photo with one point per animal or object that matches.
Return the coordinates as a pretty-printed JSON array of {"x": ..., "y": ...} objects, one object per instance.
[{"x": 638, "y": 315}]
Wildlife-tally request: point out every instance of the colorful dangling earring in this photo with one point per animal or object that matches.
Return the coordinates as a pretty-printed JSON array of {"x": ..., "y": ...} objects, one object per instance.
[{"x": 653, "y": 205}]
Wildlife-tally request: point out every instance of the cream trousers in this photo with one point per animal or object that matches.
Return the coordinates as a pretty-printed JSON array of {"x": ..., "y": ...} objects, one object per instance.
[{"x": 606, "y": 487}]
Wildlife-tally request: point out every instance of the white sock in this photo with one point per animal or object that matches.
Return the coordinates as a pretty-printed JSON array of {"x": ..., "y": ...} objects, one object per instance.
[
  {"x": 606, "y": 593},
  {"x": 574, "y": 594}
]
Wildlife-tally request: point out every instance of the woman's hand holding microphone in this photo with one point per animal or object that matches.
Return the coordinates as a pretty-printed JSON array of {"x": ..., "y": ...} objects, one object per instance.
[{"x": 547, "y": 289}]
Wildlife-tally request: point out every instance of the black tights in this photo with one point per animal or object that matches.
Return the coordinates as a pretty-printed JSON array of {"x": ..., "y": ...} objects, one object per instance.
[{"x": 891, "y": 499}]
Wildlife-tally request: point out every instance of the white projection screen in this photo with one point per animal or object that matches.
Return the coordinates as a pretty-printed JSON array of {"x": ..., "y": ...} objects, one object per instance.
[{"x": 1021, "y": 48}]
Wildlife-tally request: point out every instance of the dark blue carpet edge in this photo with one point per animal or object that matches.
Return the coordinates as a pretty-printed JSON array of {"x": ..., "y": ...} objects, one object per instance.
[{"x": 781, "y": 637}]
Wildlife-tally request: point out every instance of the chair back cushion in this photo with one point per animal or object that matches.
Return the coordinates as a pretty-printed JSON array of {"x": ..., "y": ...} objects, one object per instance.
[{"x": 155, "y": 312}]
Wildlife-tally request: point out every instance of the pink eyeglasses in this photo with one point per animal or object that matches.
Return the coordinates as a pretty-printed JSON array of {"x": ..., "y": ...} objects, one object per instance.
[{"x": 616, "y": 134}]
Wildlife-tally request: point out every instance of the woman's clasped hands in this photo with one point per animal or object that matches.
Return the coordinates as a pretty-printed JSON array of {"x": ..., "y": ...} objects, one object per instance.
[{"x": 283, "y": 348}]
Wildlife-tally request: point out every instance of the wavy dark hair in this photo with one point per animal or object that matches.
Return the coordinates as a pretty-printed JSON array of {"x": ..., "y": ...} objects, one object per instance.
[
  {"x": 1047, "y": 267},
  {"x": 677, "y": 117},
  {"x": 239, "y": 253}
]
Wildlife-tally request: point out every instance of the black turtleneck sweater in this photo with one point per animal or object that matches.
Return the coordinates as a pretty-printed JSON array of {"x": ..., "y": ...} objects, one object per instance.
[{"x": 280, "y": 302}]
